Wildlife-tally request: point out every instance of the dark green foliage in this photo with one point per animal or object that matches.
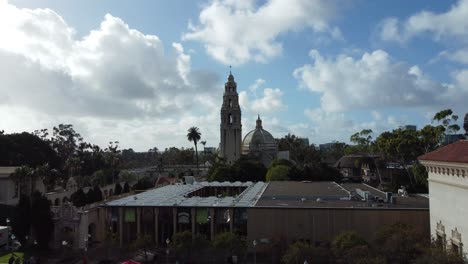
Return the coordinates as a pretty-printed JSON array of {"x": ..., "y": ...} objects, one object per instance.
[
  {"x": 278, "y": 173},
  {"x": 79, "y": 198},
  {"x": 249, "y": 170},
  {"x": 41, "y": 220},
  {"x": 184, "y": 247},
  {"x": 90, "y": 196},
  {"x": 299, "y": 252},
  {"x": 299, "y": 153},
  {"x": 228, "y": 244},
  {"x": 363, "y": 143},
  {"x": 242, "y": 170},
  {"x": 447, "y": 118},
  {"x": 431, "y": 137},
  {"x": 420, "y": 174},
  {"x": 349, "y": 247},
  {"x": 435, "y": 254},
  {"x": 334, "y": 152},
  {"x": 117, "y": 189},
  {"x": 26, "y": 149},
  {"x": 400, "y": 243},
  {"x": 143, "y": 184},
  {"x": 181, "y": 245},
  {"x": 126, "y": 188},
  {"x": 222, "y": 172},
  {"x": 97, "y": 194},
  {"x": 22, "y": 220}
]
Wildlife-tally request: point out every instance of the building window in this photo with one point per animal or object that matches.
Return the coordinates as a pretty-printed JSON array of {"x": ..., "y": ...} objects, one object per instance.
[
  {"x": 230, "y": 119},
  {"x": 440, "y": 235},
  {"x": 456, "y": 242},
  {"x": 440, "y": 241},
  {"x": 455, "y": 248},
  {"x": 230, "y": 103}
]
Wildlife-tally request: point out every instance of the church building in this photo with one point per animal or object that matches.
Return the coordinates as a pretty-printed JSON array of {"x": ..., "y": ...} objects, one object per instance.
[
  {"x": 231, "y": 127},
  {"x": 258, "y": 143}
]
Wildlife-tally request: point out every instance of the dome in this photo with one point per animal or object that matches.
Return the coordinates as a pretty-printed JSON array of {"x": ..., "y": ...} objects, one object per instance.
[{"x": 258, "y": 140}]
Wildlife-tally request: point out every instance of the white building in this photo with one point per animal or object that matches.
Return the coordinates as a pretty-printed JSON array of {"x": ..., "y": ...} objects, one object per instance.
[
  {"x": 448, "y": 195},
  {"x": 9, "y": 190}
]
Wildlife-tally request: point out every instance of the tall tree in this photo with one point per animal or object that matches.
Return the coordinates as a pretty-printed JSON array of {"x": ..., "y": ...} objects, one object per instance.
[
  {"x": 113, "y": 157},
  {"x": 402, "y": 146},
  {"x": 23, "y": 176},
  {"x": 42, "y": 223},
  {"x": 65, "y": 140},
  {"x": 22, "y": 219},
  {"x": 363, "y": 142},
  {"x": 278, "y": 173},
  {"x": 447, "y": 118},
  {"x": 431, "y": 137},
  {"x": 194, "y": 136}
]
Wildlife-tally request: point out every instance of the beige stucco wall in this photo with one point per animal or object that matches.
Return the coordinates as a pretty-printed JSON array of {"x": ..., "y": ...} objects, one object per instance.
[
  {"x": 7, "y": 192},
  {"x": 448, "y": 199}
]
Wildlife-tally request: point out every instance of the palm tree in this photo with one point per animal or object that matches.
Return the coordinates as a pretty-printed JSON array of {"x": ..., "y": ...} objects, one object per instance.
[{"x": 194, "y": 135}]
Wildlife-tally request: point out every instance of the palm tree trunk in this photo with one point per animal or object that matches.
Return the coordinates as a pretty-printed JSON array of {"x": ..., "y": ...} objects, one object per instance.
[{"x": 196, "y": 154}]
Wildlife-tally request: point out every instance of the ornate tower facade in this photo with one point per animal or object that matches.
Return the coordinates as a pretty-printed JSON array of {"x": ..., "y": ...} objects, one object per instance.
[{"x": 231, "y": 127}]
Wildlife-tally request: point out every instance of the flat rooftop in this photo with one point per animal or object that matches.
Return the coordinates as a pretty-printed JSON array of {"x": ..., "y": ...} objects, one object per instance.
[
  {"x": 182, "y": 195},
  {"x": 332, "y": 195},
  {"x": 269, "y": 195}
]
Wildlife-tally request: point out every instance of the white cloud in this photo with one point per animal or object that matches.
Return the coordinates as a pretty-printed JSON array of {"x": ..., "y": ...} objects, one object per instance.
[
  {"x": 257, "y": 84},
  {"x": 460, "y": 56},
  {"x": 113, "y": 75},
  {"x": 450, "y": 24},
  {"x": 373, "y": 81},
  {"x": 235, "y": 32},
  {"x": 271, "y": 101},
  {"x": 329, "y": 126}
]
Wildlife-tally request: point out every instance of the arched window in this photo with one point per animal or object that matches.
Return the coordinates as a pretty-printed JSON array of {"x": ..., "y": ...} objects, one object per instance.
[
  {"x": 230, "y": 119},
  {"x": 230, "y": 103}
]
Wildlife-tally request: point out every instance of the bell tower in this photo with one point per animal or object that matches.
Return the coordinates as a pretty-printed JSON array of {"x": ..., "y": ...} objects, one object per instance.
[{"x": 231, "y": 127}]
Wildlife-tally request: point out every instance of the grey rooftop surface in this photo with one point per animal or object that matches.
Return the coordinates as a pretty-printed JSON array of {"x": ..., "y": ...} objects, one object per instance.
[
  {"x": 285, "y": 194},
  {"x": 331, "y": 195},
  {"x": 176, "y": 195}
]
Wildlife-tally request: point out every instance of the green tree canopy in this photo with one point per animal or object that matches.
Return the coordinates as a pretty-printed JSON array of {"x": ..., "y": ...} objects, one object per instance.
[
  {"x": 126, "y": 188},
  {"x": 78, "y": 198},
  {"x": 346, "y": 243},
  {"x": 300, "y": 252},
  {"x": 26, "y": 149},
  {"x": 278, "y": 173},
  {"x": 447, "y": 119},
  {"x": 41, "y": 220},
  {"x": 400, "y": 243},
  {"x": 363, "y": 142},
  {"x": 117, "y": 189},
  {"x": 143, "y": 184},
  {"x": 229, "y": 244}
]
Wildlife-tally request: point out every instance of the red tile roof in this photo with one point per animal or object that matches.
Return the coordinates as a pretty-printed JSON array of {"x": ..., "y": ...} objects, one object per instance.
[{"x": 455, "y": 152}]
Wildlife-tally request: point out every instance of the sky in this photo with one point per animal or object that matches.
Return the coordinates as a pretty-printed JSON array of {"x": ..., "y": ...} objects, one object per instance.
[{"x": 143, "y": 72}]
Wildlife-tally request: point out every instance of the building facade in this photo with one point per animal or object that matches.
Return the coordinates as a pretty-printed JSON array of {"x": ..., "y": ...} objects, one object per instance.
[
  {"x": 260, "y": 145},
  {"x": 447, "y": 169},
  {"x": 231, "y": 126},
  {"x": 287, "y": 211}
]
